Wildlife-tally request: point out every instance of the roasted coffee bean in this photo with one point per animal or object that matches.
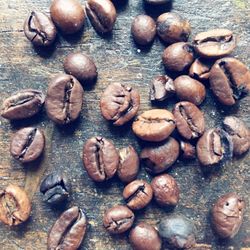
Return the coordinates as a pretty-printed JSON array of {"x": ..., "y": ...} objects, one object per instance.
[
  {"x": 15, "y": 205},
  {"x": 188, "y": 151},
  {"x": 227, "y": 215},
  {"x": 229, "y": 80},
  {"x": 200, "y": 69},
  {"x": 68, "y": 15},
  {"x": 27, "y": 144},
  {"x": 128, "y": 164},
  {"x": 39, "y": 29},
  {"x": 22, "y": 104},
  {"x": 143, "y": 29},
  {"x": 137, "y": 194},
  {"x": 178, "y": 56},
  {"x": 215, "y": 43},
  {"x": 144, "y": 237},
  {"x": 172, "y": 28},
  {"x": 154, "y": 125},
  {"x": 157, "y": 2},
  {"x": 55, "y": 187},
  {"x": 64, "y": 99},
  {"x": 100, "y": 158},
  {"x": 189, "y": 119},
  {"x": 158, "y": 158},
  {"x": 68, "y": 231},
  {"x": 118, "y": 219},
  {"x": 119, "y": 103},
  {"x": 239, "y": 133},
  {"x": 102, "y": 15},
  {"x": 178, "y": 230}
]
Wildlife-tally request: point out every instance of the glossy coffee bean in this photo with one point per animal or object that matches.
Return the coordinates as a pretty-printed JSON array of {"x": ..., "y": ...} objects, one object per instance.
[
  {"x": 158, "y": 158},
  {"x": 27, "y": 144},
  {"x": 22, "y": 104},
  {"x": 100, "y": 158},
  {"x": 154, "y": 125},
  {"x": 215, "y": 43},
  {"x": 68, "y": 231},
  {"x": 227, "y": 215},
  {"x": 229, "y": 80},
  {"x": 15, "y": 206},
  {"x": 157, "y": 2},
  {"x": 188, "y": 151},
  {"x": 137, "y": 194},
  {"x": 189, "y": 119},
  {"x": 200, "y": 69},
  {"x": 64, "y": 99},
  {"x": 118, "y": 219},
  {"x": 39, "y": 29}
]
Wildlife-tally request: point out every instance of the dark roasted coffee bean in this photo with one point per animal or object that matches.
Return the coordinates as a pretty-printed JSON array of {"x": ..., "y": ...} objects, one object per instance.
[
  {"x": 68, "y": 15},
  {"x": 158, "y": 158},
  {"x": 189, "y": 119},
  {"x": 188, "y": 151},
  {"x": 178, "y": 56},
  {"x": 154, "y": 125},
  {"x": 229, "y": 80},
  {"x": 68, "y": 231},
  {"x": 200, "y": 69},
  {"x": 102, "y": 15},
  {"x": 137, "y": 194},
  {"x": 15, "y": 205},
  {"x": 119, "y": 103},
  {"x": 64, "y": 99},
  {"x": 118, "y": 219},
  {"x": 55, "y": 187},
  {"x": 215, "y": 43},
  {"x": 100, "y": 158},
  {"x": 27, "y": 144},
  {"x": 144, "y": 237},
  {"x": 128, "y": 164},
  {"x": 227, "y": 215},
  {"x": 157, "y": 2}
]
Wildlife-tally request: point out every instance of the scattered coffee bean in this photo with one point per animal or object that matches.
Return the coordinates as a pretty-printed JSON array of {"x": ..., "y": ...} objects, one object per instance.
[
  {"x": 157, "y": 2},
  {"x": 188, "y": 151},
  {"x": 200, "y": 69}
]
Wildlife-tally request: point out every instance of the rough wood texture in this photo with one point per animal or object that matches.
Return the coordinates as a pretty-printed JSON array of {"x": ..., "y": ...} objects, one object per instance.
[{"x": 117, "y": 59}]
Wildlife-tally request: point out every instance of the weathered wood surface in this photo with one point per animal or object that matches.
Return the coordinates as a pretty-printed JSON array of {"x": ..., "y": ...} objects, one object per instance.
[{"x": 117, "y": 59}]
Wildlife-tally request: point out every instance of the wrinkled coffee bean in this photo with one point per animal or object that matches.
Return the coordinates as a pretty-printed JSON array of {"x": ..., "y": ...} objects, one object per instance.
[
  {"x": 157, "y": 2},
  {"x": 200, "y": 69},
  {"x": 100, "y": 158},
  {"x": 118, "y": 219},
  {"x": 68, "y": 231},
  {"x": 22, "y": 104},
  {"x": 188, "y": 151},
  {"x": 215, "y": 43},
  {"x": 227, "y": 215},
  {"x": 154, "y": 125},
  {"x": 189, "y": 119},
  {"x": 137, "y": 194},
  {"x": 64, "y": 99},
  {"x": 55, "y": 187},
  {"x": 15, "y": 205},
  {"x": 27, "y": 144},
  {"x": 39, "y": 29},
  {"x": 119, "y": 103},
  {"x": 158, "y": 158},
  {"x": 229, "y": 80}
]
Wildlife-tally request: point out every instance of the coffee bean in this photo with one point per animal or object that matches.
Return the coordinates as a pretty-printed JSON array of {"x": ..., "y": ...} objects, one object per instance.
[
  {"x": 188, "y": 151},
  {"x": 68, "y": 15},
  {"x": 118, "y": 219},
  {"x": 15, "y": 205},
  {"x": 229, "y": 80},
  {"x": 102, "y": 15},
  {"x": 55, "y": 187},
  {"x": 68, "y": 231},
  {"x": 137, "y": 194},
  {"x": 64, "y": 99},
  {"x": 200, "y": 69},
  {"x": 189, "y": 119},
  {"x": 158, "y": 158},
  {"x": 144, "y": 237},
  {"x": 227, "y": 215},
  {"x": 154, "y": 125},
  {"x": 119, "y": 103},
  {"x": 27, "y": 144},
  {"x": 39, "y": 29},
  {"x": 157, "y": 2},
  {"x": 23, "y": 104},
  {"x": 100, "y": 158},
  {"x": 215, "y": 43}
]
